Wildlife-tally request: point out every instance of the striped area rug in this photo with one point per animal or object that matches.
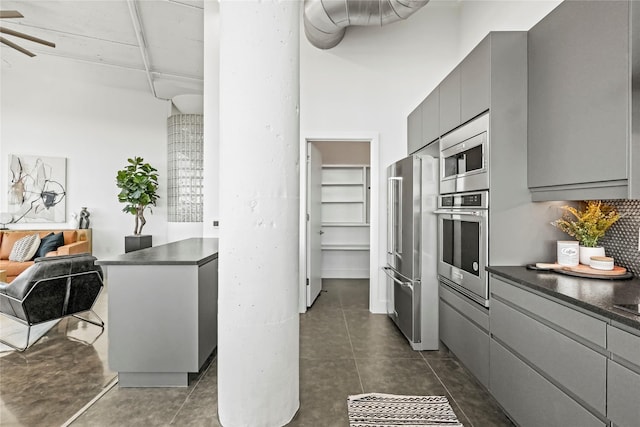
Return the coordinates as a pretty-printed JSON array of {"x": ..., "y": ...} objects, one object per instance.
[{"x": 389, "y": 410}]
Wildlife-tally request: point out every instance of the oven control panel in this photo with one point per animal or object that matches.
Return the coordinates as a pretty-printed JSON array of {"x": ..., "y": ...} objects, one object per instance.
[{"x": 476, "y": 200}]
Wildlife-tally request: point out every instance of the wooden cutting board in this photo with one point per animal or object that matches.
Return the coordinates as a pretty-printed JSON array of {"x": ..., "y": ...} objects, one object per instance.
[{"x": 584, "y": 269}]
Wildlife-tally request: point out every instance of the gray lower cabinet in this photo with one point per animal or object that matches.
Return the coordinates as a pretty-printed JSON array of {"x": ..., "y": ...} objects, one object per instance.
[
  {"x": 580, "y": 102},
  {"x": 574, "y": 367},
  {"x": 623, "y": 395},
  {"x": 529, "y": 398},
  {"x": 464, "y": 329},
  {"x": 548, "y": 360},
  {"x": 623, "y": 391}
]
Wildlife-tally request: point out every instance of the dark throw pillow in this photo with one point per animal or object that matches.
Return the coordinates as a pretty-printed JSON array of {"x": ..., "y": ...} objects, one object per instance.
[{"x": 50, "y": 242}]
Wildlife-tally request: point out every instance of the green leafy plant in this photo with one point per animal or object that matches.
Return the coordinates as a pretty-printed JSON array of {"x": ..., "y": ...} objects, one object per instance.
[
  {"x": 138, "y": 184},
  {"x": 589, "y": 224}
]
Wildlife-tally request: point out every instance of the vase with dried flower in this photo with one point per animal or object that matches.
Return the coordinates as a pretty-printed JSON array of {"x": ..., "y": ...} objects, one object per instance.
[{"x": 587, "y": 225}]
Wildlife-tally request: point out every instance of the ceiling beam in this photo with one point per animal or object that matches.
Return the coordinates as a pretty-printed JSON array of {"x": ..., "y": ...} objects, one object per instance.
[{"x": 142, "y": 44}]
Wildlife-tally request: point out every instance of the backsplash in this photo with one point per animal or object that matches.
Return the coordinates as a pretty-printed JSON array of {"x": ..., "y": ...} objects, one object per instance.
[{"x": 621, "y": 240}]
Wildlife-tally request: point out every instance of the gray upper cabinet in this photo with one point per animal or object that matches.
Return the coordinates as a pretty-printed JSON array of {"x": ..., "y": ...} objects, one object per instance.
[
  {"x": 466, "y": 91},
  {"x": 431, "y": 117},
  {"x": 450, "y": 101},
  {"x": 579, "y": 98},
  {"x": 423, "y": 125},
  {"x": 475, "y": 81},
  {"x": 414, "y": 130}
]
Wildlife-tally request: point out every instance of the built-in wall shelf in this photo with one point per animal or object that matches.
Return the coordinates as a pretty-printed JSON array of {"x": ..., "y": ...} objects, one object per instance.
[
  {"x": 345, "y": 218},
  {"x": 345, "y": 194}
]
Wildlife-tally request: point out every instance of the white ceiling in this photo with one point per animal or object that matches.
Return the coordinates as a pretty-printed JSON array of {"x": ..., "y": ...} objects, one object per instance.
[{"x": 103, "y": 32}]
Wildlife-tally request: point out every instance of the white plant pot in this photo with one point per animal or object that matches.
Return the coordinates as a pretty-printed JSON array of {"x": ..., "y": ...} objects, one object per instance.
[{"x": 586, "y": 253}]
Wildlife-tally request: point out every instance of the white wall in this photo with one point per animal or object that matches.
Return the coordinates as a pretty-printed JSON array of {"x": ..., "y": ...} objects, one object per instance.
[{"x": 63, "y": 108}]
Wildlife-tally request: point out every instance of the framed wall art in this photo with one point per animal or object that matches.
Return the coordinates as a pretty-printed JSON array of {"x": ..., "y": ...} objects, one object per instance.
[{"x": 37, "y": 188}]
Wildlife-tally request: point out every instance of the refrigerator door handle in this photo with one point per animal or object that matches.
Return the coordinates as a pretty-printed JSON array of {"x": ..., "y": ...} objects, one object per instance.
[
  {"x": 390, "y": 215},
  {"x": 389, "y": 273},
  {"x": 394, "y": 210}
]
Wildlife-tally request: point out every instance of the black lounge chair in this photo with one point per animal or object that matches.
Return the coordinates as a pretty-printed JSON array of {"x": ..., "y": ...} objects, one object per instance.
[{"x": 52, "y": 288}]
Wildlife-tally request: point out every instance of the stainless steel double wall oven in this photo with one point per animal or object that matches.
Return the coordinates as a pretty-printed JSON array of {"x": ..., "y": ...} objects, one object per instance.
[{"x": 463, "y": 210}]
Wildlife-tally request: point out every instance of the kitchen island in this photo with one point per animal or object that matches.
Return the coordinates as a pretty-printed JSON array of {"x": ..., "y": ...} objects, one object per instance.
[
  {"x": 162, "y": 308},
  {"x": 561, "y": 352}
]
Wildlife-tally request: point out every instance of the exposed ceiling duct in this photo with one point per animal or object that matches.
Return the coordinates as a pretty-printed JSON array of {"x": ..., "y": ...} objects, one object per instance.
[{"x": 326, "y": 21}]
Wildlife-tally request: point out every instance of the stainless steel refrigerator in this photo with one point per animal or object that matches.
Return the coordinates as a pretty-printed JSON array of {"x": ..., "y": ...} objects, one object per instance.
[{"x": 411, "y": 269}]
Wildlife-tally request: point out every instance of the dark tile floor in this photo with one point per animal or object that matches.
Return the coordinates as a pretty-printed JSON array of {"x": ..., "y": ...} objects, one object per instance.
[{"x": 344, "y": 350}]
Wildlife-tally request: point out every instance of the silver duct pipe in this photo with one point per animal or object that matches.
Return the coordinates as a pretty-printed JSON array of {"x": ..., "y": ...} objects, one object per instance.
[{"x": 325, "y": 21}]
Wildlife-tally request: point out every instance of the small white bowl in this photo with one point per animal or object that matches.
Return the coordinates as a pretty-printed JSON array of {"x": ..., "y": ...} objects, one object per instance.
[{"x": 601, "y": 262}]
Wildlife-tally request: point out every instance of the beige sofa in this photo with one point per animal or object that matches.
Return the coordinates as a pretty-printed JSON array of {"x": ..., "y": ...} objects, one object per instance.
[{"x": 76, "y": 241}]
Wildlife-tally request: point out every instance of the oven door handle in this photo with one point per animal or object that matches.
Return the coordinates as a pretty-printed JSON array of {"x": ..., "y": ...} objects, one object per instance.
[
  {"x": 399, "y": 282},
  {"x": 447, "y": 212}
]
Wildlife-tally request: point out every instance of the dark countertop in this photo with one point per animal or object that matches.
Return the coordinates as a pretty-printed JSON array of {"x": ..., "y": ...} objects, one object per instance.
[
  {"x": 595, "y": 295},
  {"x": 194, "y": 251}
]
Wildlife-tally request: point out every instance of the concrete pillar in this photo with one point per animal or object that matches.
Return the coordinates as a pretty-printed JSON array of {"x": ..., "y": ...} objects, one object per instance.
[{"x": 258, "y": 365}]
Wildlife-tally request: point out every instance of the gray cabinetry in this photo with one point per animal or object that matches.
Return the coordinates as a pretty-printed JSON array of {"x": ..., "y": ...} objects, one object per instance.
[
  {"x": 450, "y": 101},
  {"x": 623, "y": 395},
  {"x": 623, "y": 391},
  {"x": 466, "y": 91},
  {"x": 475, "y": 81},
  {"x": 464, "y": 328},
  {"x": 163, "y": 312},
  {"x": 414, "y": 130},
  {"x": 570, "y": 364},
  {"x": 557, "y": 352},
  {"x": 423, "y": 125},
  {"x": 579, "y": 101},
  {"x": 430, "y": 117},
  {"x": 529, "y": 398}
]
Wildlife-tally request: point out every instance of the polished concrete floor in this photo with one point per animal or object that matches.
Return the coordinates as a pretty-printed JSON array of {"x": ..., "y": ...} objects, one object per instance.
[
  {"x": 344, "y": 350},
  {"x": 55, "y": 377}
]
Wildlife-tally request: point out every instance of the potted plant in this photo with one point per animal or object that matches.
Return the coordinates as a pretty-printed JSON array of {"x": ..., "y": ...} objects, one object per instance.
[
  {"x": 587, "y": 226},
  {"x": 138, "y": 184}
]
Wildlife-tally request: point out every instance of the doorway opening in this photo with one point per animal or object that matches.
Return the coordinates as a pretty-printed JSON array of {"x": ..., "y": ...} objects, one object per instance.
[{"x": 339, "y": 214}]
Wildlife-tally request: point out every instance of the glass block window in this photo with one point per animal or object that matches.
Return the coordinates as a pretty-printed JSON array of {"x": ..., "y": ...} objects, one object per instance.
[{"x": 184, "y": 161}]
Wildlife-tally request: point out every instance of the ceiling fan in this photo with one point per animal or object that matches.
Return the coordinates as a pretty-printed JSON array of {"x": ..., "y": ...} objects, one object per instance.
[{"x": 6, "y": 14}]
